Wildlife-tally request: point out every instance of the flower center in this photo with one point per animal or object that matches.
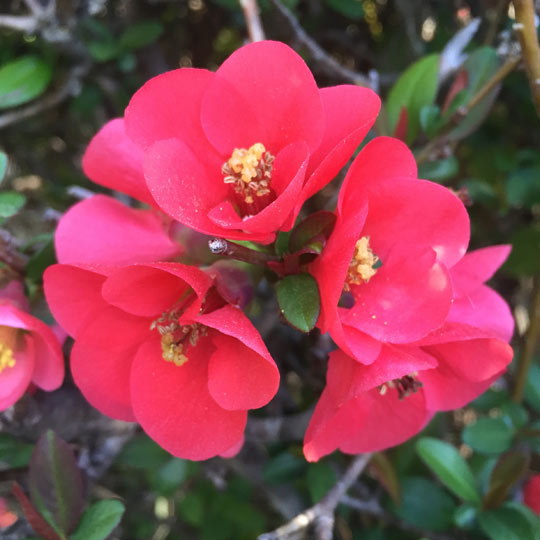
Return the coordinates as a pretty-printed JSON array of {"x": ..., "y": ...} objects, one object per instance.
[
  {"x": 249, "y": 172},
  {"x": 405, "y": 385},
  {"x": 362, "y": 265},
  {"x": 176, "y": 339},
  {"x": 8, "y": 339}
]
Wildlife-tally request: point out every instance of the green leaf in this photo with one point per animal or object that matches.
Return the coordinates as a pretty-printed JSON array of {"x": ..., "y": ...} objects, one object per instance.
[
  {"x": 532, "y": 519},
  {"x": 514, "y": 415},
  {"x": 141, "y": 34},
  {"x": 103, "y": 51},
  {"x": 489, "y": 436},
  {"x": 442, "y": 169},
  {"x": 299, "y": 301},
  {"x": 425, "y": 505},
  {"x": 320, "y": 479},
  {"x": 449, "y": 466},
  {"x": 532, "y": 387},
  {"x": 352, "y": 9},
  {"x": 99, "y": 520},
  {"x": 56, "y": 483},
  {"x": 507, "y": 472},
  {"x": 282, "y": 468},
  {"x": 524, "y": 259},
  {"x": 430, "y": 119},
  {"x": 3, "y": 165},
  {"x": 40, "y": 260},
  {"x": 23, "y": 80},
  {"x": 167, "y": 478},
  {"x": 10, "y": 203},
  {"x": 141, "y": 452},
  {"x": 13, "y": 453},
  {"x": 523, "y": 187},
  {"x": 385, "y": 472},
  {"x": 465, "y": 515},
  {"x": 319, "y": 224},
  {"x": 480, "y": 66},
  {"x": 505, "y": 523},
  {"x": 416, "y": 88}
]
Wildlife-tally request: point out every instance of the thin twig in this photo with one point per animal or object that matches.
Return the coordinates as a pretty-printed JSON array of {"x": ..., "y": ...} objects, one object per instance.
[
  {"x": 321, "y": 515},
  {"x": 509, "y": 65},
  {"x": 526, "y": 31},
  {"x": 219, "y": 246},
  {"x": 48, "y": 101},
  {"x": 319, "y": 55},
  {"x": 253, "y": 19},
  {"x": 529, "y": 347}
]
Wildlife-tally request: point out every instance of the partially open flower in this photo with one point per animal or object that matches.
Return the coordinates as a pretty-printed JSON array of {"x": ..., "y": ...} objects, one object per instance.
[
  {"x": 155, "y": 343},
  {"x": 29, "y": 351}
]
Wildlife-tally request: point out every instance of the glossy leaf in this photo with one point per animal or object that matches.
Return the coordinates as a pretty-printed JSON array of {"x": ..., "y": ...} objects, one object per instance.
[
  {"x": 507, "y": 472},
  {"x": 489, "y": 436},
  {"x": 10, "y": 203},
  {"x": 22, "y": 80},
  {"x": 316, "y": 225},
  {"x": 299, "y": 301},
  {"x": 449, "y": 466},
  {"x": 505, "y": 523},
  {"x": 440, "y": 170},
  {"x": 416, "y": 88},
  {"x": 56, "y": 483},
  {"x": 99, "y": 520},
  {"x": 13, "y": 453}
]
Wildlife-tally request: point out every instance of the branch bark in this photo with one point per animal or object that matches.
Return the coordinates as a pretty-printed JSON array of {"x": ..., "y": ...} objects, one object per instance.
[{"x": 253, "y": 19}]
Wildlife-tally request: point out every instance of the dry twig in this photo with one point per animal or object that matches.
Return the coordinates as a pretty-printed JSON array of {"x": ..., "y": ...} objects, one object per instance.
[{"x": 253, "y": 19}]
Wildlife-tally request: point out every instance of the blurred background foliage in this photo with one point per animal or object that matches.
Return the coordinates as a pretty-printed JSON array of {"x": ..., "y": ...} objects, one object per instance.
[{"x": 64, "y": 73}]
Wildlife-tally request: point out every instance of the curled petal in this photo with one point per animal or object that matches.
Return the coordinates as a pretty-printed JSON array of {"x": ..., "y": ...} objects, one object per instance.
[{"x": 15, "y": 380}]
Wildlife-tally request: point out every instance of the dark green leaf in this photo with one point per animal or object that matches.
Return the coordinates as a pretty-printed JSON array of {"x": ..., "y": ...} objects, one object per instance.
[
  {"x": 523, "y": 187},
  {"x": 282, "y": 468},
  {"x": 465, "y": 515},
  {"x": 13, "y": 453},
  {"x": 23, "y": 80},
  {"x": 320, "y": 479},
  {"x": 142, "y": 452},
  {"x": 425, "y": 505},
  {"x": 490, "y": 399},
  {"x": 489, "y": 436},
  {"x": 103, "y": 51},
  {"x": 532, "y": 386},
  {"x": 141, "y": 34},
  {"x": 56, "y": 483},
  {"x": 507, "y": 472},
  {"x": 430, "y": 119},
  {"x": 524, "y": 259},
  {"x": 449, "y": 466},
  {"x": 99, "y": 520},
  {"x": 514, "y": 415},
  {"x": 40, "y": 260},
  {"x": 416, "y": 88},
  {"x": 352, "y": 9},
  {"x": 316, "y": 225},
  {"x": 10, "y": 203},
  {"x": 532, "y": 519},
  {"x": 168, "y": 477},
  {"x": 192, "y": 509},
  {"x": 299, "y": 301},
  {"x": 442, "y": 169},
  {"x": 505, "y": 523},
  {"x": 3, "y": 165}
]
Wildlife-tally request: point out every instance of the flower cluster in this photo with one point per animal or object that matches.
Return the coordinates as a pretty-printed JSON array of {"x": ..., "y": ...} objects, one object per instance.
[{"x": 235, "y": 154}]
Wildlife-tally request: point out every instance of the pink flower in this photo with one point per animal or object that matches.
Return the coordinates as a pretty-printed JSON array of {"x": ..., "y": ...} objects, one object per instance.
[
  {"x": 394, "y": 239},
  {"x": 531, "y": 493},
  {"x": 155, "y": 343},
  {"x": 236, "y": 153},
  {"x": 29, "y": 351}
]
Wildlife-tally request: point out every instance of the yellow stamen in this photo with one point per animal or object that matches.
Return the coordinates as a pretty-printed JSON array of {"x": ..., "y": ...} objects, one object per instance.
[
  {"x": 8, "y": 341},
  {"x": 361, "y": 267},
  {"x": 250, "y": 171}
]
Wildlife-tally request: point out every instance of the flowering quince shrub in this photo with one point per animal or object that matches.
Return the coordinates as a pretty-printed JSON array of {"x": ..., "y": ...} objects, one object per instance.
[
  {"x": 30, "y": 353},
  {"x": 157, "y": 342},
  {"x": 247, "y": 196}
]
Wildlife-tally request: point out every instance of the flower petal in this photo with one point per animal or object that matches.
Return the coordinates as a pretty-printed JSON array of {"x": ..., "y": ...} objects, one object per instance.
[
  {"x": 73, "y": 294},
  {"x": 263, "y": 92},
  {"x": 168, "y": 106},
  {"x": 102, "y": 230},
  {"x": 15, "y": 380},
  {"x": 113, "y": 161},
  {"x": 408, "y": 297},
  {"x": 174, "y": 407}
]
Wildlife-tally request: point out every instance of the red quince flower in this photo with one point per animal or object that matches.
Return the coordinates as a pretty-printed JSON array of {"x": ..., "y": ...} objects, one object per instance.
[
  {"x": 531, "y": 493},
  {"x": 29, "y": 351},
  {"x": 236, "y": 153},
  {"x": 368, "y": 408},
  {"x": 156, "y": 344},
  {"x": 389, "y": 252}
]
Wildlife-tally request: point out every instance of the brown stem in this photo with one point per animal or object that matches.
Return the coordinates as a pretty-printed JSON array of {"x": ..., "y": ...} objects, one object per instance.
[
  {"x": 220, "y": 246},
  {"x": 529, "y": 347},
  {"x": 253, "y": 19},
  {"x": 526, "y": 30},
  {"x": 509, "y": 65},
  {"x": 495, "y": 20},
  {"x": 321, "y": 515}
]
